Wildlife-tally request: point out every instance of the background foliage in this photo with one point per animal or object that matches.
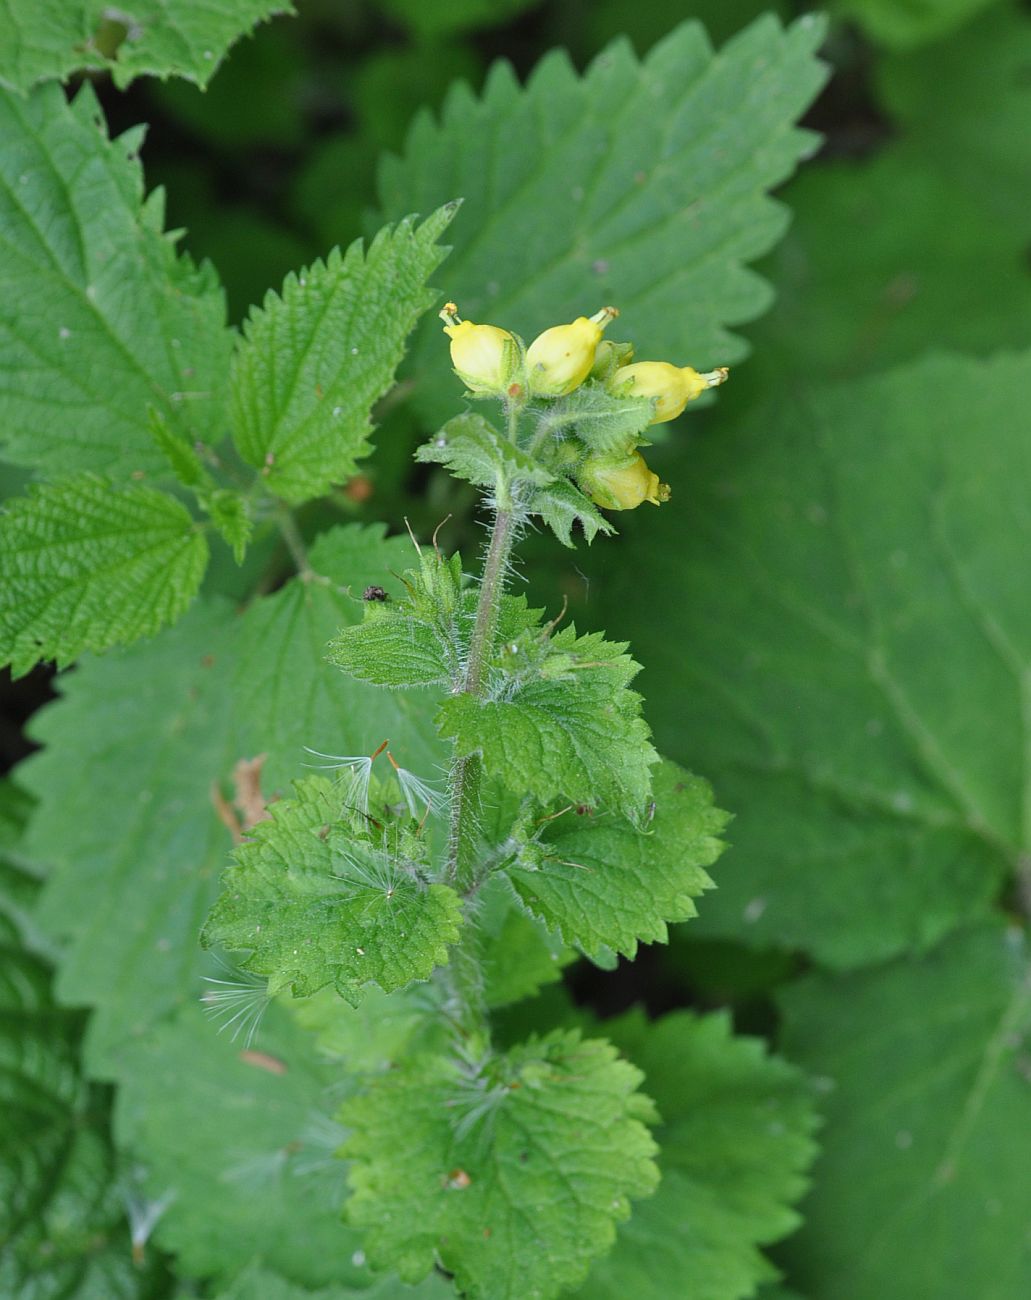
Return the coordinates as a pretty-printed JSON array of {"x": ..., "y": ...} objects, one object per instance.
[{"x": 831, "y": 613}]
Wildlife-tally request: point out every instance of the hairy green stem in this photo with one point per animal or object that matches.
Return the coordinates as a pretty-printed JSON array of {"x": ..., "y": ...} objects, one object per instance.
[
  {"x": 467, "y": 773},
  {"x": 291, "y": 535}
]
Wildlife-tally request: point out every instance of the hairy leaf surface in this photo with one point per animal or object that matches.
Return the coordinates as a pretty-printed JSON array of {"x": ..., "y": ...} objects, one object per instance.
[
  {"x": 847, "y": 654},
  {"x": 514, "y": 1180},
  {"x": 927, "y": 1123},
  {"x": 735, "y": 1142},
  {"x": 88, "y": 565},
  {"x": 315, "y": 358},
  {"x": 642, "y": 183},
  {"x": 100, "y": 320},
  {"x": 317, "y": 903},
  {"x": 559, "y": 722},
  {"x": 604, "y": 882}
]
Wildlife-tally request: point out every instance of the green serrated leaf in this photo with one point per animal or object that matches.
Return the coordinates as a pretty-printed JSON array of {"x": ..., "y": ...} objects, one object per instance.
[
  {"x": 605, "y": 422},
  {"x": 142, "y": 743},
  {"x": 828, "y": 545},
  {"x": 89, "y": 565},
  {"x": 318, "y": 902},
  {"x": 315, "y": 359},
  {"x": 52, "y": 38},
  {"x": 473, "y": 449},
  {"x": 644, "y": 179},
  {"x": 604, "y": 882},
  {"x": 229, "y": 512},
  {"x": 182, "y": 458},
  {"x": 513, "y": 1179},
  {"x": 561, "y": 505},
  {"x": 236, "y": 1137},
  {"x": 560, "y": 723},
  {"x": 928, "y": 1113},
  {"x": 735, "y": 1142},
  {"x": 100, "y": 321}
]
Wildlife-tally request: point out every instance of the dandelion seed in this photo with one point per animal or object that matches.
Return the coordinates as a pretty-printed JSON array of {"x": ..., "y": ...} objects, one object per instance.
[
  {"x": 418, "y": 794},
  {"x": 143, "y": 1215},
  {"x": 238, "y": 1004},
  {"x": 360, "y": 767}
]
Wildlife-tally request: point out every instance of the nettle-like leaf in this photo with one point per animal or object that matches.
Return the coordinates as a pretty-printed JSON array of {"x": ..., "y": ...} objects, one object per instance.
[
  {"x": 62, "y": 1212},
  {"x": 927, "y": 1122},
  {"x": 474, "y": 450},
  {"x": 642, "y": 183},
  {"x": 237, "y": 1141},
  {"x": 100, "y": 321},
  {"x": 559, "y": 721},
  {"x": 318, "y": 901},
  {"x": 417, "y": 641},
  {"x": 876, "y": 786},
  {"x": 603, "y": 881},
  {"x": 52, "y": 38},
  {"x": 734, "y": 1142},
  {"x": 144, "y": 743},
  {"x": 88, "y": 565},
  {"x": 513, "y": 1177},
  {"x": 316, "y": 358},
  {"x": 258, "y": 1283}
]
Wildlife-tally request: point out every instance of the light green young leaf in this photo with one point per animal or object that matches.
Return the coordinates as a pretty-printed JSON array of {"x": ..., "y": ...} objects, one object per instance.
[
  {"x": 561, "y": 505},
  {"x": 316, "y": 358},
  {"x": 88, "y": 565},
  {"x": 928, "y": 1113},
  {"x": 601, "y": 420},
  {"x": 417, "y": 641},
  {"x": 604, "y": 882},
  {"x": 318, "y": 902},
  {"x": 473, "y": 449},
  {"x": 100, "y": 321},
  {"x": 513, "y": 1178},
  {"x": 52, "y": 38},
  {"x": 142, "y": 741},
  {"x": 645, "y": 179},
  {"x": 828, "y": 550},
  {"x": 239, "y": 1139},
  {"x": 229, "y": 512},
  {"x": 559, "y": 722},
  {"x": 735, "y": 1142}
]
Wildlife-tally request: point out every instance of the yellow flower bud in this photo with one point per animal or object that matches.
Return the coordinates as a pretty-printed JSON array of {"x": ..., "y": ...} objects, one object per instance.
[
  {"x": 485, "y": 357},
  {"x": 672, "y": 386},
  {"x": 621, "y": 484},
  {"x": 561, "y": 358}
]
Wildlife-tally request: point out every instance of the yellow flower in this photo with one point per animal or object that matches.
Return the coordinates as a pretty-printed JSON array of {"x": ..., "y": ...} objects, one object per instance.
[
  {"x": 621, "y": 484},
  {"x": 485, "y": 357},
  {"x": 561, "y": 358},
  {"x": 672, "y": 386}
]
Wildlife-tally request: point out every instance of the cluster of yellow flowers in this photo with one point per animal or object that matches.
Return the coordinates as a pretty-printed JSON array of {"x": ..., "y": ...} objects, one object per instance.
[{"x": 492, "y": 362}]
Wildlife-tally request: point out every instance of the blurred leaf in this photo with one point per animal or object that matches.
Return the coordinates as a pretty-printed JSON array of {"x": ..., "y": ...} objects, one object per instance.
[
  {"x": 237, "y": 1139},
  {"x": 257, "y": 1283},
  {"x": 389, "y": 86},
  {"x": 335, "y": 187},
  {"x": 837, "y": 635},
  {"x": 965, "y": 105},
  {"x": 646, "y": 22},
  {"x": 646, "y": 181},
  {"x": 99, "y": 319},
  {"x": 884, "y": 257},
  {"x": 89, "y": 565},
  {"x": 316, "y": 358},
  {"x": 52, "y": 38},
  {"x": 431, "y": 17},
  {"x": 143, "y": 739},
  {"x": 735, "y": 1142},
  {"x": 901, "y": 24},
  {"x": 929, "y": 1112}
]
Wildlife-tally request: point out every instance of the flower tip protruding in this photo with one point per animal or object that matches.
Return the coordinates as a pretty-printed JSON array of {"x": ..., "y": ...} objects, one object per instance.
[
  {"x": 561, "y": 358},
  {"x": 449, "y": 315},
  {"x": 604, "y": 316},
  {"x": 484, "y": 357},
  {"x": 713, "y": 378}
]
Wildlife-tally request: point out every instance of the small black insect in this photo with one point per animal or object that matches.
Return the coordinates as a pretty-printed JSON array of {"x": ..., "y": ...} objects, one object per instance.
[{"x": 374, "y": 593}]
